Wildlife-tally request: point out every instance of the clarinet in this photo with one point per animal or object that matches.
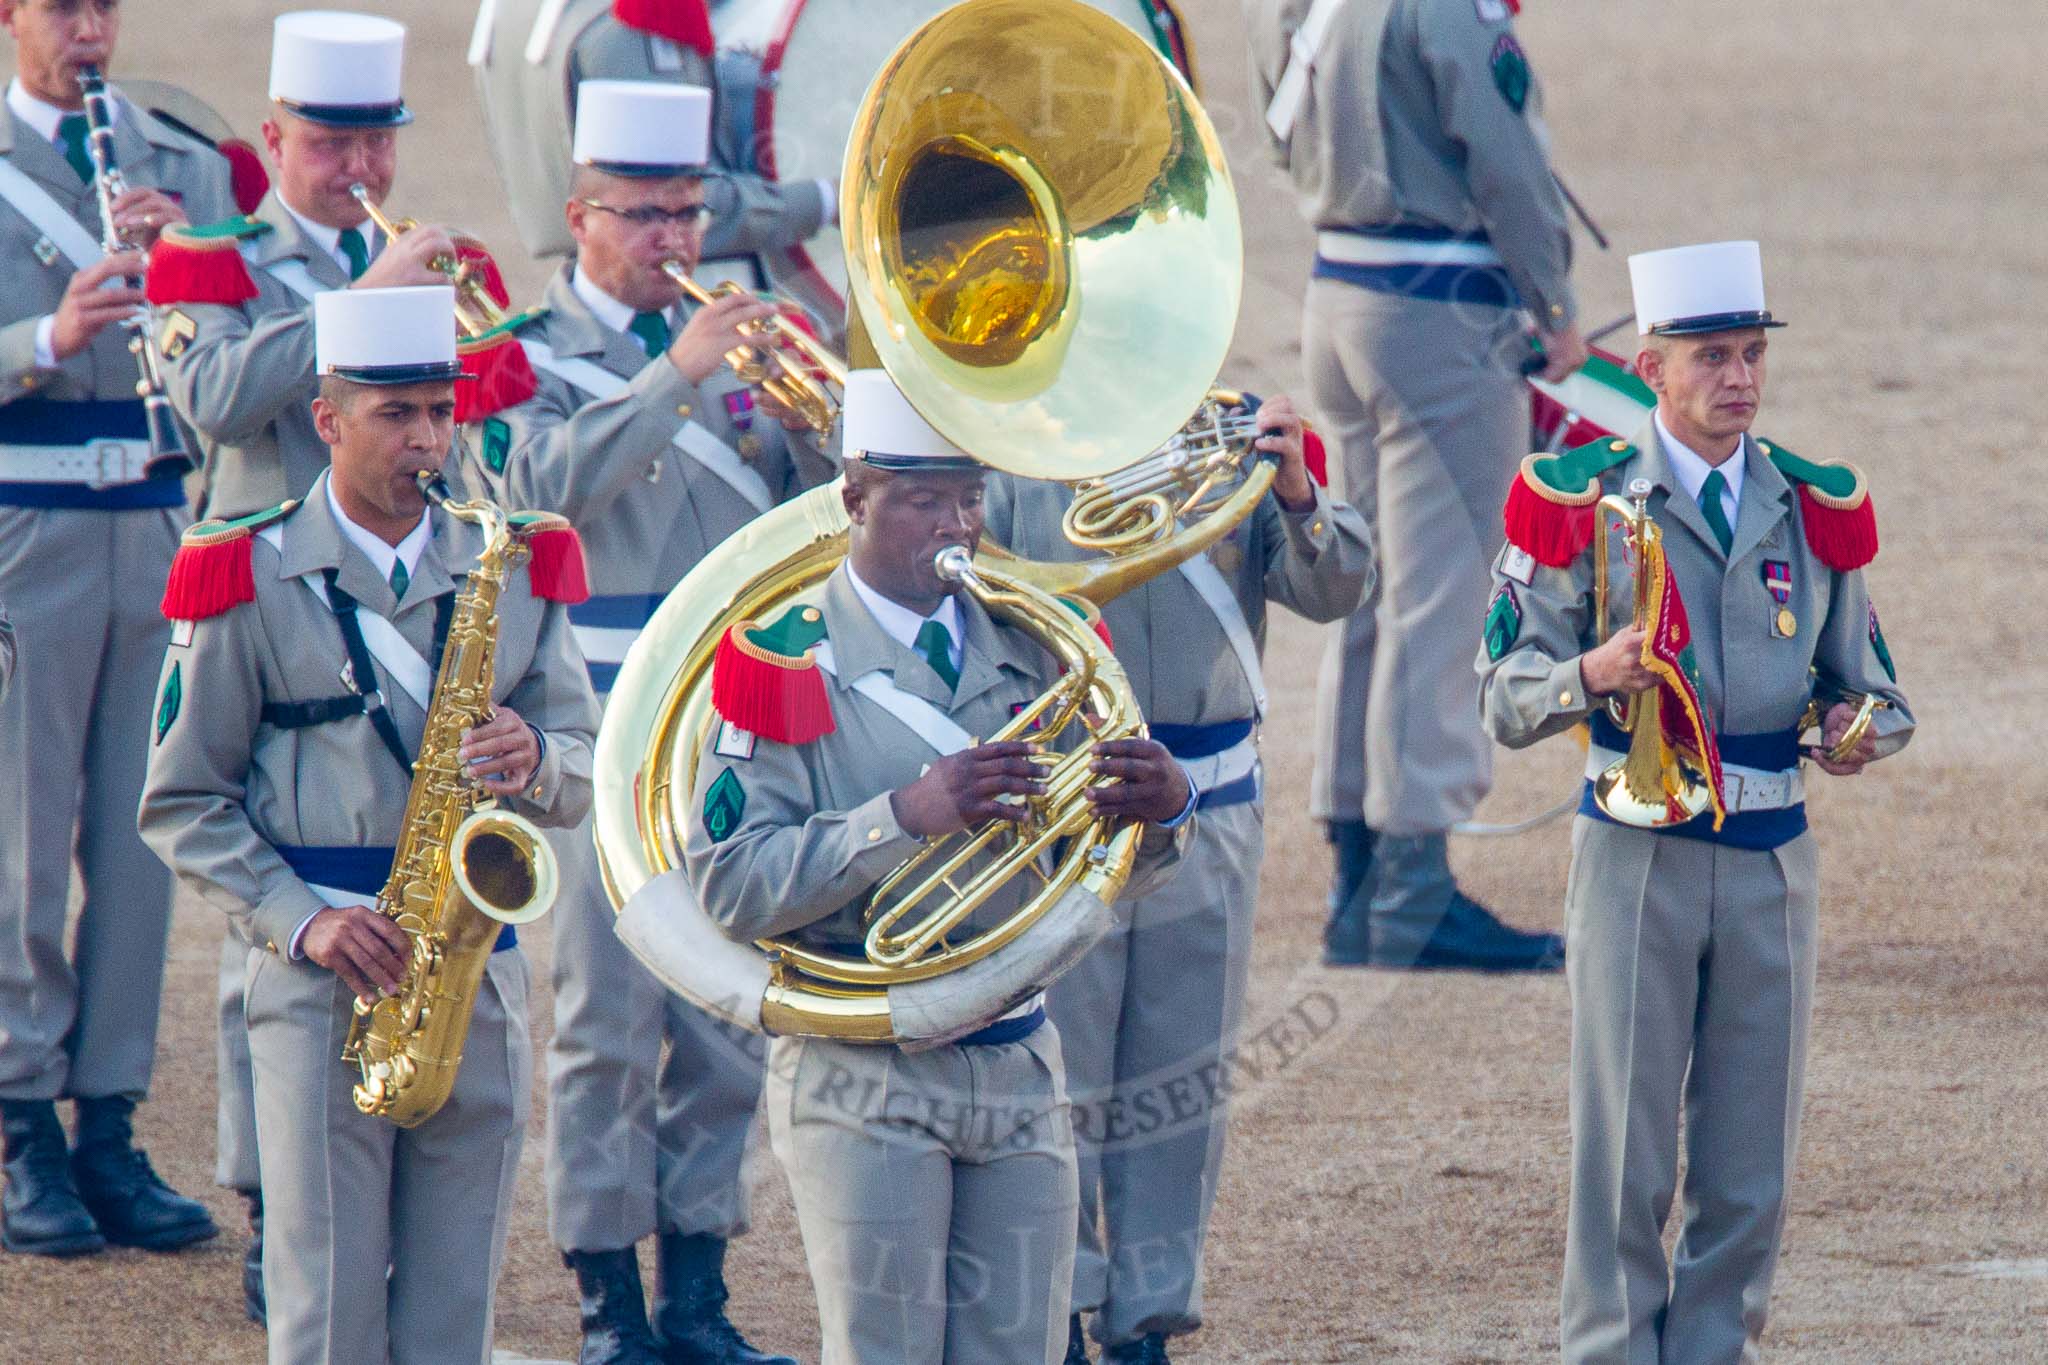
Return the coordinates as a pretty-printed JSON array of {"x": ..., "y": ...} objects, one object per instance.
[{"x": 167, "y": 452}]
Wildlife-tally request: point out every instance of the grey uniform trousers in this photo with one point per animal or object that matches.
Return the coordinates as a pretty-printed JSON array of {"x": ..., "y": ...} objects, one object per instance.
[
  {"x": 234, "y": 1122},
  {"x": 935, "y": 1192},
  {"x": 1430, "y": 415},
  {"x": 1147, "y": 1021},
  {"x": 75, "y": 732},
  {"x": 1691, "y": 970},
  {"x": 347, "y": 1196},
  {"x": 639, "y": 1139}
]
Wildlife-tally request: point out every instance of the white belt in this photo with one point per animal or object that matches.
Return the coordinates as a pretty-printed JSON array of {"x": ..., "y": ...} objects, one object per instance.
[
  {"x": 97, "y": 464},
  {"x": 1222, "y": 769},
  {"x": 1036, "y": 1002},
  {"x": 1360, "y": 248},
  {"x": 604, "y": 644},
  {"x": 1742, "y": 789}
]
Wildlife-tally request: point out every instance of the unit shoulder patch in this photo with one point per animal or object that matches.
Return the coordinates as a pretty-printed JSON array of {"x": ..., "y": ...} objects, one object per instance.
[
  {"x": 1503, "y": 622},
  {"x": 725, "y": 801},
  {"x": 175, "y": 333},
  {"x": 237, "y": 228},
  {"x": 733, "y": 742},
  {"x": 1511, "y": 75},
  {"x": 173, "y": 699},
  {"x": 1877, "y": 644}
]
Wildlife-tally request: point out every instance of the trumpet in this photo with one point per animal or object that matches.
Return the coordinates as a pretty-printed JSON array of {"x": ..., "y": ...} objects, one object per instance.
[
  {"x": 1868, "y": 704},
  {"x": 1188, "y": 477},
  {"x": 476, "y": 311},
  {"x": 814, "y": 399},
  {"x": 1650, "y": 786}
]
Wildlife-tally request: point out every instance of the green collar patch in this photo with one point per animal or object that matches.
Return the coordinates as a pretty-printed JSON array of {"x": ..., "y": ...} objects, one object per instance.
[
  {"x": 1839, "y": 482},
  {"x": 242, "y": 225},
  {"x": 1503, "y": 623},
  {"x": 724, "y": 803},
  {"x": 789, "y": 636},
  {"x": 497, "y": 444},
  {"x": 1574, "y": 475},
  {"x": 173, "y": 698}
]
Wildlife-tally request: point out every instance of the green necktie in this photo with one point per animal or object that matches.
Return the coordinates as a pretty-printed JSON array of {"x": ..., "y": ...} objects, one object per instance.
[
  {"x": 72, "y": 132},
  {"x": 937, "y": 647},
  {"x": 357, "y": 250},
  {"x": 652, "y": 329},
  {"x": 399, "y": 579},
  {"x": 1710, "y": 507}
]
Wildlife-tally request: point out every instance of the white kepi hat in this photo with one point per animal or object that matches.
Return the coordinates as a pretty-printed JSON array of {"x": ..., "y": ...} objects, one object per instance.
[
  {"x": 340, "y": 69},
  {"x": 1717, "y": 287},
  {"x": 386, "y": 336},
  {"x": 643, "y": 127},
  {"x": 884, "y": 431}
]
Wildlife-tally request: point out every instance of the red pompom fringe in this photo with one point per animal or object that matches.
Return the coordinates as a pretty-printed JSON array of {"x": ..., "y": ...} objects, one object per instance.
[
  {"x": 1102, "y": 629},
  {"x": 483, "y": 267},
  {"x": 787, "y": 705},
  {"x": 685, "y": 21},
  {"x": 555, "y": 565},
  {"x": 1553, "y": 533},
  {"x": 1316, "y": 456},
  {"x": 207, "y": 580},
  {"x": 504, "y": 378},
  {"x": 181, "y": 271},
  {"x": 246, "y": 176},
  {"x": 1842, "y": 540}
]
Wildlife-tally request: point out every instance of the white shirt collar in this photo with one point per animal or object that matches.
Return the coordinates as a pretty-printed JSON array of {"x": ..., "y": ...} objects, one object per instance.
[
  {"x": 605, "y": 308},
  {"x": 380, "y": 555},
  {"x": 43, "y": 116},
  {"x": 902, "y": 624},
  {"x": 328, "y": 239},
  {"x": 1692, "y": 469}
]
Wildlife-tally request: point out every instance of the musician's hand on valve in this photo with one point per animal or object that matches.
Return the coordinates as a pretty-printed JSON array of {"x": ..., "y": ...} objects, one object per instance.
[
  {"x": 408, "y": 259},
  {"x": 502, "y": 754},
  {"x": 141, "y": 215},
  {"x": 368, "y": 951},
  {"x": 1154, "y": 786},
  {"x": 1615, "y": 669},
  {"x": 1832, "y": 729},
  {"x": 699, "y": 349},
  {"x": 86, "y": 308},
  {"x": 962, "y": 789},
  {"x": 775, "y": 408},
  {"x": 1285, "y": 438}
]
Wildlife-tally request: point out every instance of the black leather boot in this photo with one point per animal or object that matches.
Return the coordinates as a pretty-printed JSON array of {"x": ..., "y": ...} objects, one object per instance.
[
  {"x": 615, "y": 1330},
  {"x": 1149, "y": 1349},
  {"x": 1077, "y": 1342},
  {"x": 1347, "y": 937},
  {"x": 131, "y": 1203},
  {"x": 41, "y": 1214},
  {"x": 689, "y": 1306},
  {"x": 252, "y": 1263}
]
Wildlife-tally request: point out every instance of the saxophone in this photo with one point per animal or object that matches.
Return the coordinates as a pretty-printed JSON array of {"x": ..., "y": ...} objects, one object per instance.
[{"x": 463, "y": 866}]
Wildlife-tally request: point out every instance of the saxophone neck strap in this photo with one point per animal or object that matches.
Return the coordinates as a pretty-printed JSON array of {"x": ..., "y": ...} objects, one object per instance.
[{"x": 368, "y": 698}]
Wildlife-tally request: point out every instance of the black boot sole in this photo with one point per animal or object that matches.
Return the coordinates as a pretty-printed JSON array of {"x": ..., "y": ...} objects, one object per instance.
[
  {"x": 85, "y": 1244},
  {"x": 166, "y": 1239}
]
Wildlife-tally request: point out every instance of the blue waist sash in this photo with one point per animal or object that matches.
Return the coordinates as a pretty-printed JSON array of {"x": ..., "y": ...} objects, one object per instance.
[
  {"x": 620, "y": 611},
  {"x": 361, "y": 870},
  {"x": 1760, "y": 830},
  {"x": 53, "y": 422},
  {"x": 1206, "y": 741},
  {"x": 1482, "y": 285}
]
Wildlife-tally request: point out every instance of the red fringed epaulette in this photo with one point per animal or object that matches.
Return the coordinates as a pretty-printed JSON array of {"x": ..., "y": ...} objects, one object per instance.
[
  {"x": 247, "y": 179},
  {"x": 554, "y": 564},
  {"x": 476, "y": 261},
  {"x": 202, "y": 265},
  {"x": 1834, "y": 506},
  {"x": 684, "y": 21},
  {"x": 211, "y": 572},
  {"x": 1552, "y": 502},
  {"x": 765, "y": 679},
  {"x": 503, "y": 376},
  {"x": 1315, "y": 455}
]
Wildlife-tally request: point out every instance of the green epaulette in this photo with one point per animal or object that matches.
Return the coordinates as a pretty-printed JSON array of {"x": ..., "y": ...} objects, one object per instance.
[
  {"x": 1843, "y": 483},
  {"x": 1841, "y": 524},
  {"x": 1574, "y": 476},
  {"x": 1549, "y": 512},
  {"x": 217, "y": 530},
  {"x": 211, "y": 572},
  {"x": 242, "y": 226},
  {"x": 765, "y": 679}
]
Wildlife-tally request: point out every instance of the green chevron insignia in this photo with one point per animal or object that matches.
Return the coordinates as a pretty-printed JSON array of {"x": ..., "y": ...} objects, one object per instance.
[
  {"x": 497, "y": 444},
  {"x": 174, "y": 697},
  {"x": 724, "y": 804},
  {"x": 1884, "y": 653},
  {"x": 1503, "y": 623},
  {"x": 1511, "y": 72}
]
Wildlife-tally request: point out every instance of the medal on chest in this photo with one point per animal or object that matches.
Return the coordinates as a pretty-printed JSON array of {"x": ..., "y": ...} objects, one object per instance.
[
  {"x": 739, "y": 410},
  {"x": 1778, "y": 582}
]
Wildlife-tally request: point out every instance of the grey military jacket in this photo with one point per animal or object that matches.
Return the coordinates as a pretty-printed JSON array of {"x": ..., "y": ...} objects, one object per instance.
[
  {"x": 647, "y": 510},
  {"x": 529, "y": 117},
  {"x": 1423, "y": 112},
  {"x": 150, "y": 154},
  {"x": 244, "y": 377},
  {"x": 815, "y": 830},
  {"x": 1753, "y": 681},
  {"x": 6, "y": 651},
  {"x": 1317, "y": 563},
  {"x": 225, "y": 785}
]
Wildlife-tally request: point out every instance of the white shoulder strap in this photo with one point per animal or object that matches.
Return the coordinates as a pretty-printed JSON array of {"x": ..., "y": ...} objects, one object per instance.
[
  {"x": 693, "y": 440},
  {"x": 1302, "y": 50},
  {"x": 543, "y": 32},
  {"x": 480, "y": 36},
  {"x": 47, "y": 216},
  {"x": 295, "y": 275},
  {"x": 1204, "y": 578},
  {"x": 406, "y": 665},
  {"x": 928, "y": 722}
]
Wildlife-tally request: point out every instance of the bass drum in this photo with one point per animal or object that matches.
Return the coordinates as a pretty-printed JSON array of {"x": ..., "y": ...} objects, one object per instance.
[{"x": 814, "y": 60}]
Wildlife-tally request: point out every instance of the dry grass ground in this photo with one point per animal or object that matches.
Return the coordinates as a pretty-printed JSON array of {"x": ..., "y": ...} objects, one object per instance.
[{"x": 1397, "y": 1193}]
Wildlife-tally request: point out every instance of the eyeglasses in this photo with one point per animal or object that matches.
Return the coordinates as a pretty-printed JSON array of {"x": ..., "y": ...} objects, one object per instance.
[{"x": 654, "y": 215}]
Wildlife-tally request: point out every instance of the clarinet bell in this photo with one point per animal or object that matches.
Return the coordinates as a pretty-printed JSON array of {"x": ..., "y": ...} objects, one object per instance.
[{"x": 168, "y": 456}]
